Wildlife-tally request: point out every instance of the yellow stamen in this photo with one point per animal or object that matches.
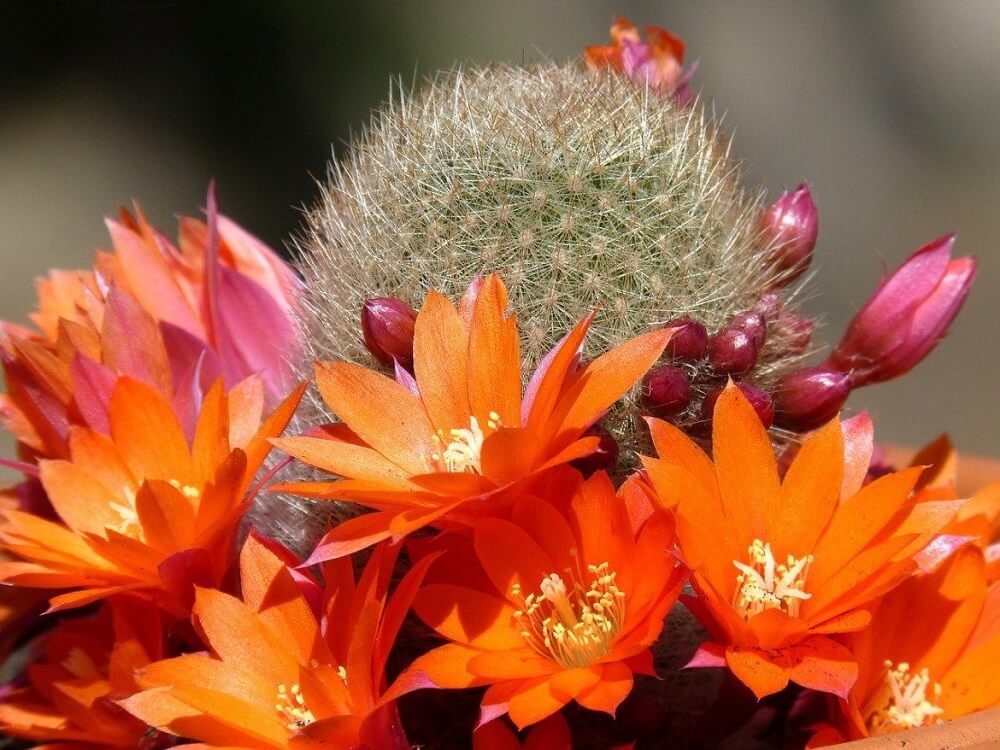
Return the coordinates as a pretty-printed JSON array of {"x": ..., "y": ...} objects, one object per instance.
[
  {"x": 573, "y": 625},
  {"x": 129, "y": 525},
  {"x": 291, "y": 707},
  {"x": 191, "y": 493},
  {"x": 907, "y": 705},
  {"x": 764, "y": 584},
  {"x": 460, "y": 450}
]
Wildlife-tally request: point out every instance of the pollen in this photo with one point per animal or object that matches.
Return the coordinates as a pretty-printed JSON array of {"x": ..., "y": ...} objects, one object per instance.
[
  {"x": 764, "y": 584},
  {"x": 574, "y": 619},
  {"x": 129, "y": 525},
  {"x": 460, "y": 450},
  {"x": 291, "y": 707},
  {"x": 909, "y": 704}
]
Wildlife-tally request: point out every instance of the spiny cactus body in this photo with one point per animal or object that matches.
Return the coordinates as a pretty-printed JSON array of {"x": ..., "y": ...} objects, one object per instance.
[{"x": 583, "y": 190}]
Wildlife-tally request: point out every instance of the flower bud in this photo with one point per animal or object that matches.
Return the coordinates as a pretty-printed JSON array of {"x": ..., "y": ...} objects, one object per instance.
[
  {"x": 604, "y": 457},
  {"x": 798, "y": 331},
  {"x": 792, "y": 224},
  {"x": 753, "y": 324},
  {"x": 689, "y": 342},
  {"x": 732, "y": 352},
  {"x": 769, "y": 305},
  {"x": 761, "y": 402},
  {"x": 907, "y": 315},
  {"x": 666, "y": 390},
  {"x": 387, "y": 325},
  {"x": 810, "y": 398}
]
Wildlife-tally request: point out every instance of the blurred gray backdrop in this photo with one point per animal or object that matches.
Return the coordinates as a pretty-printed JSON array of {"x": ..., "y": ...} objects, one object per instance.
[{"x": 889, "y": 109}]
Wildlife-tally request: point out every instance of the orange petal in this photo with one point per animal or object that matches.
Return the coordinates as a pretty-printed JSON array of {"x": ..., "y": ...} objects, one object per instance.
[
  {"x": 343, "y": 458},
  {"x": 757, "y": 671},
  {"x": 494, "y": 357},
  {"x": 810, "y": 493},
  {"x": 745, "y": 465},
  {"x": 147, "y": 434},
  {"x": 533, "y": 701},
  {"x": 823, "y": 664},
  {"x": 614, "y": 686},
  {"x": 673, "y": 446},
  {"x": 509, "y": 556},
  {"x": 440, "y": 362},
  {"x": 468, "y": 616},
  {"x": 382, "y": 413},
  {"x": 858, "y": 520},
  {"x": 601, "y": 383}
]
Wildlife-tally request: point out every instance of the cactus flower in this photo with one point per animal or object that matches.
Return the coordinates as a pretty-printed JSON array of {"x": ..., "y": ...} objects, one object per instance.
[
  {"x": 906, "y": 316},
  {"x": 657, "y": 62}
]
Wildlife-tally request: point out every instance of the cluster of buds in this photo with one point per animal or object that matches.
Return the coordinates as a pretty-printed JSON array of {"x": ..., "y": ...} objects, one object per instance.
[{"x": 901, "y": 323}]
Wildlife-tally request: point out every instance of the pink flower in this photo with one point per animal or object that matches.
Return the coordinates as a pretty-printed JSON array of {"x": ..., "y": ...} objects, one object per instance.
[
  {"x": 657, "y": 62},
  {"x": 906, "y": 317}
]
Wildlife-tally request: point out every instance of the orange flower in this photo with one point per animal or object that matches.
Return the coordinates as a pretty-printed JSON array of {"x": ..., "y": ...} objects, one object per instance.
[
  {"x": 417, "y": 450},
  {"x": 84, "y": 665},
  {"x": 918, "y": 673},
  {"x": 176, "y": 319},
  {"x": 279, "y": 675},
  {"x": 781, "y": 566},
  {"x": 141, "y": 509},
  {"x": 657, "y": 62},
  {"x": 564, "y": 607}
]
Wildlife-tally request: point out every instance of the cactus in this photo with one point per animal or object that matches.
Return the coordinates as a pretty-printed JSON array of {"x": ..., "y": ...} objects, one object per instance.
[{"x": 582, "y": 189}]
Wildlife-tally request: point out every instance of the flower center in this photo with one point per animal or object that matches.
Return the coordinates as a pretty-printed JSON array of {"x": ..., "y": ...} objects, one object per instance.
[
  {"x": 460, "y": 450},
  {"x": 908, "y": 704},
  {"x": 191, "y": 493},
  {"x": 291, "y": 707},
  {"x": 572, "y": 624},
  {"x": 764, "y": 584}
]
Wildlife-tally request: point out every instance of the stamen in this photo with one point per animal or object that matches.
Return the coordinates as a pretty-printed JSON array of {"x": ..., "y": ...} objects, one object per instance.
[
  {"x": 568, "y": 623},
  {"x": 764, "y": 584},
  {"x": 291, "y": 707},
  {"x": 460, "y": 450},
  {"x": 908, "y": 705},
  {"x": 191, "y": 493}
]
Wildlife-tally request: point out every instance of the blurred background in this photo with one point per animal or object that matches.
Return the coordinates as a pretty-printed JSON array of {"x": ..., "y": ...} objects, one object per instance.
[{"x": 888, "y": 109}]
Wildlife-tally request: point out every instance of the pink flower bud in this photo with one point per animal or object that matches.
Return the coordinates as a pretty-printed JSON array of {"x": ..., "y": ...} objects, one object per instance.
[
  {"x": 732, "y": 352},
  {"x": 689, "y": 342},
  {"x": 387, "y": 325},
  {"x": 753, "y": 324},
  {"x": 760, "y": 401},
  {"x": 810, "y": 398},
  {"x": 792, "y": 224},
  {"x": 603, "y": 458},
  {"x": 666, "y": 390},
  {"x": 907, "y": 315}
]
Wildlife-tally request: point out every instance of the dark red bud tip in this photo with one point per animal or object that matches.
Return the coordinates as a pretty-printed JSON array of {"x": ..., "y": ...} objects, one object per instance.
[
  {"x": 689, "y": 342},
  {"x": 761, "y": 402},
  {"x": 732, "y": 352},
  {"x": 666, "y": 390},
  {"x": 601, "y": 459},
  {"x": 792, "y": 225},
  {"x": 387, "y": 325},
  {"x": 810, "y": 398},
  {"x": 753, "y": 324}
]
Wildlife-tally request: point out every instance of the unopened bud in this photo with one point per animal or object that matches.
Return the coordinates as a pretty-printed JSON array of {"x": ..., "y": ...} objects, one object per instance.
[
  {"x": 387, "y": 325},
  {"x": 666, "y": 390},
  {"x": 753, "y": 324},
  {"x": 761, "y": 402},
  {"x": 689, "y": 342},
  {"x": 810, "y": 398},
  {"x": 798, "y": 331},
  {"x": 732, "y": 351},
  {"x": 792, "y": 224},
  {"x": 604, "y": 457}
]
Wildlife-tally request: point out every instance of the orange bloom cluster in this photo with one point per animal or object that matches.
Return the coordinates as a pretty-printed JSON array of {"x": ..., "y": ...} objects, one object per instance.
[{"x": 493, "y": 557}]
